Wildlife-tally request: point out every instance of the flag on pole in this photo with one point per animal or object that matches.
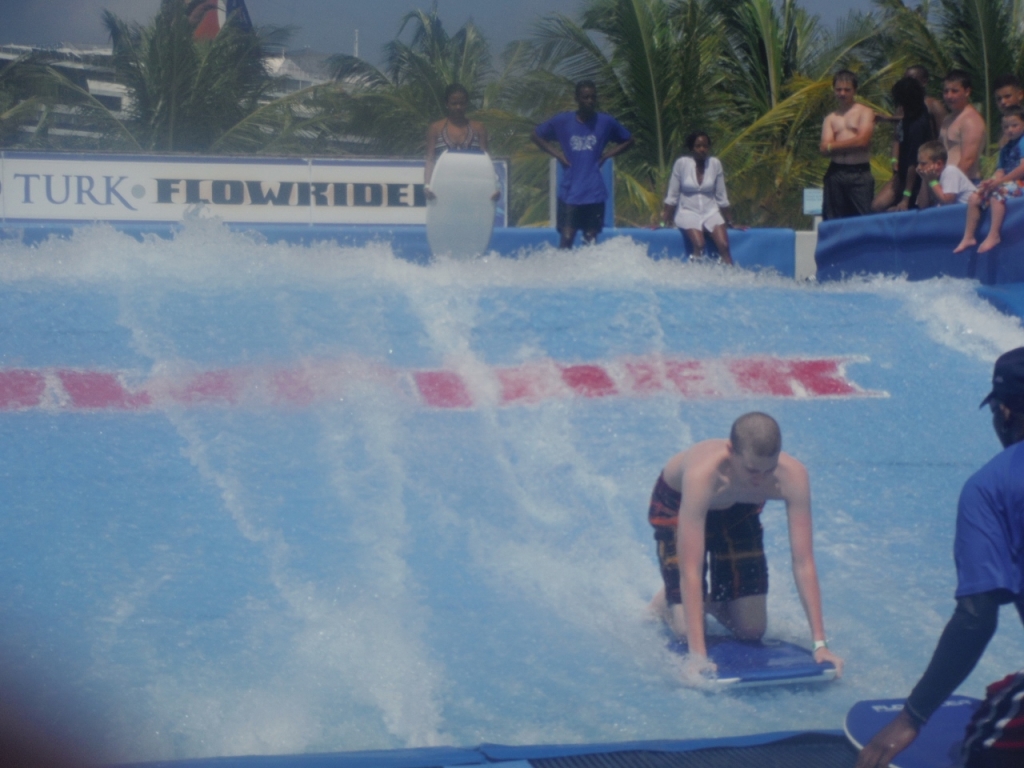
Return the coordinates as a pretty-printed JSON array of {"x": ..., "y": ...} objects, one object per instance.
[{"x": 211, "y": 16}]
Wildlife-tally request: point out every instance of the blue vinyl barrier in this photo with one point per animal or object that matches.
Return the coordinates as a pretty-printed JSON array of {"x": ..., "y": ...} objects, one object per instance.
[
  {"x": 483, "y": 755},
  {"x": 919, "y": 244},
  {"x": 751, "y": 249}
]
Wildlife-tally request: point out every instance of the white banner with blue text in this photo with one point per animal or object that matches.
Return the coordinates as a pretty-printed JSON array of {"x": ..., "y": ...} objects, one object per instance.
[{"x": 38, "y": 186}]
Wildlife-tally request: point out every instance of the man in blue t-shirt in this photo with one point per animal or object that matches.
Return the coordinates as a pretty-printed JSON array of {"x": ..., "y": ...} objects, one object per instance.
[
  {"x": 989, "y": 554},
  {"x": 581, "y": 141}
]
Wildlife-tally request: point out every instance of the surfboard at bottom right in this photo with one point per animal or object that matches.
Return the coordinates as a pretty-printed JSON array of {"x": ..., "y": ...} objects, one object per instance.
[{"x": 938, "y": 743}]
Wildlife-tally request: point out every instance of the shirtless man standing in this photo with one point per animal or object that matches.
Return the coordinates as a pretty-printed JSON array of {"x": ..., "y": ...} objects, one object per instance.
[
  {"x": 963, "y": 130},
  {"x": 846, "y": 139},
  {"x": 705, "y": 510}
]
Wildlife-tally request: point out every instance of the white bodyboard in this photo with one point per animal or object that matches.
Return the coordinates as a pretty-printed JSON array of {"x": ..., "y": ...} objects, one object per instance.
[{"x": 460, "y": 217}]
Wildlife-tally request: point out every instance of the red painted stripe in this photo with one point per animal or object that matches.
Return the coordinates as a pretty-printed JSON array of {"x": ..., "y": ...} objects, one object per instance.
[
  {"x": 824, "y": 378},
  {"x": 530, "y": 383},
  {"x": 21, "y": 389},
  {"x": 443, "y": 389},
  {"x": 694, "y": 379},
  {"x": 589, "y": 380},
  {"x": 91, "y": 389}
]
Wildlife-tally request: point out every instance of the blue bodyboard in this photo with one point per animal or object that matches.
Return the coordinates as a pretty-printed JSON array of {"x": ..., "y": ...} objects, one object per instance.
[
  {"x": 769, "y": 662},
  {"x": 938, "y": 743}
]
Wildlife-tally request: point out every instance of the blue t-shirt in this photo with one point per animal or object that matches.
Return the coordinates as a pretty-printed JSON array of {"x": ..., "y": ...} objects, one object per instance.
[
  {"x": 1009, "y": 155},
  {"x": 582, "y": 144},
  {"x": 989, "y": 547}
]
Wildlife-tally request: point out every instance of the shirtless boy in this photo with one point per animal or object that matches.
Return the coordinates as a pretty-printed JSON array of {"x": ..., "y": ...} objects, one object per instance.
[
  {"x": 705, "y": 510},
  {"x": 963, "y": 130},
  {"x": 846, "y": 140}
]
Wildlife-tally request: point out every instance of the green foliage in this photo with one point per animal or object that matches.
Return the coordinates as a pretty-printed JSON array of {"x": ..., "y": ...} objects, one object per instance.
[
  {"x": 186, "y": 94},
  {"x": 983, "y": 37},
  {"x": 20, "y": 100},
  {"x": 391, "y": 109},
  {"x": 755, "y": 74}
]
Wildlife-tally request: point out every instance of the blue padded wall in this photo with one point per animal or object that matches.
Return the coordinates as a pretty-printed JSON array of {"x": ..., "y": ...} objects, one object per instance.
[
  {"x": 920, "y": 245},
  {"x": 751, "y": 249}
]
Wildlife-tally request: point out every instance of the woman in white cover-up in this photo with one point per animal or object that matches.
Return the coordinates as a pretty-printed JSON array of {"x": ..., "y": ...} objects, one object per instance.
[{"x": 696, "y": 201}]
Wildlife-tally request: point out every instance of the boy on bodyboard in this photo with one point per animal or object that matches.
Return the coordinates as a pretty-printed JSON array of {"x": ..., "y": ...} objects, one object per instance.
[{"x": 705, "y": 511}]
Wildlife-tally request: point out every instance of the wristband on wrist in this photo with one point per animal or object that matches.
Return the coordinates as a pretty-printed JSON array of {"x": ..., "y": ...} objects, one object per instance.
[
  {"x": 818, "y": 645},
  {"x": 828, "y": 147},
  {"x": 933, "y": 183},
  {"x": 907, "y": 193},
  {"x": 895, "y": 160}
]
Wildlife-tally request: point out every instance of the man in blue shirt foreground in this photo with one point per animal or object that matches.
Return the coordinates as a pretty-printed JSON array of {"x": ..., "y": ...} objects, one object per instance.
[
  {"x": 581, "y": 141},
  {"x": 989, "y": 554}
]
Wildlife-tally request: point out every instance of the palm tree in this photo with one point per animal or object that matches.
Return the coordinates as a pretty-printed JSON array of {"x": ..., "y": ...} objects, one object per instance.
[
  {"x": 780, "y": 69},
  {"x": 21, "y": 100},
  {"x": 34, "y": 93},
  {"x": 660, "y": 78},
  {"x": 391, "y": 108},
  {"x": 983, "y": 37},
  {"x": 753, "y": 73},
  {"x": 185, "y": 94}
]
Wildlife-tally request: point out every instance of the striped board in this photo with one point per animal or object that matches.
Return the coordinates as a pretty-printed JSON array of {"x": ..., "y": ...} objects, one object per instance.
[
  {"x": 769, "y": 662},
  {"x": 936, "y": 746}
]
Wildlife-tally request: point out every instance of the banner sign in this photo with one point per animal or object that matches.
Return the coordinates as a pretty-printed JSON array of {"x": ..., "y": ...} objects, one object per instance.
[{"x": 37, "y": 186}]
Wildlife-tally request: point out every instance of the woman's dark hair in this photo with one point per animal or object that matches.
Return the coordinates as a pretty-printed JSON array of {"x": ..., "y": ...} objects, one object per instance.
[
  {"x": 454, "y": 88},
  {"x": 907, "y": 92},
  {"x": 692, "y": 139}
]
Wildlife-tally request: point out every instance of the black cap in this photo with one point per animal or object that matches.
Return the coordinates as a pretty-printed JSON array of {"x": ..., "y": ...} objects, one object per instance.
[{"x": 1008, "y": 379}]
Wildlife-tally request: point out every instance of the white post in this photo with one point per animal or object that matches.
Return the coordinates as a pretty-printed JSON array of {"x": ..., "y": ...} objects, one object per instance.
[{"x": 552, "y": 191}]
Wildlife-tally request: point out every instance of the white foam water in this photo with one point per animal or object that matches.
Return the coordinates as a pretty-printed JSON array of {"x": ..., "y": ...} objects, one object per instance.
[{"x": 369, "y": 572}]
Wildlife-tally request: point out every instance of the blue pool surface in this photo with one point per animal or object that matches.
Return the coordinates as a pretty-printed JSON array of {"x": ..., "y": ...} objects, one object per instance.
[{"x": 274, "y": 537}]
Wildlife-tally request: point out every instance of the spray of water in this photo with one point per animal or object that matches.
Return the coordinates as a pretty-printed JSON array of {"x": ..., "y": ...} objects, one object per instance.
[{"x": 367, "y": 571}]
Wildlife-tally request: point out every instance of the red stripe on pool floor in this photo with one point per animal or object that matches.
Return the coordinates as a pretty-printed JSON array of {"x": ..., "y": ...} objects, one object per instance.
[{"x": 534, "y": 382}]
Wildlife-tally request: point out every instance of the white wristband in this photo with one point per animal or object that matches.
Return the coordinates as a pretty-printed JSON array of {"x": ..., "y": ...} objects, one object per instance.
[{"x": 818, "y": 645}]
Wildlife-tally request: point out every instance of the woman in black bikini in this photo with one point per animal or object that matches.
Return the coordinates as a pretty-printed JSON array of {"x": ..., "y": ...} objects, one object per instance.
[{"x": 456, "y": 133}]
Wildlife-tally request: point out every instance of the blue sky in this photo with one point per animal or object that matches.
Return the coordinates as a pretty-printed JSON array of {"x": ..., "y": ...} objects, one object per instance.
[{"x": 326, "y": 25}]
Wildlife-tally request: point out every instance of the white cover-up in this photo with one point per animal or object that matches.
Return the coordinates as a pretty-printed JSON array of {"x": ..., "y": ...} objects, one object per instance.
[{"x": 698, "y": 206}]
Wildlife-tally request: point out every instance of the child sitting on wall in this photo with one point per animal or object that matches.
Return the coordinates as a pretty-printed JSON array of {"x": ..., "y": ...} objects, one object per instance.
[
  {"x": 1005, "y": 183},
  {"x": 943, "y": 184}
]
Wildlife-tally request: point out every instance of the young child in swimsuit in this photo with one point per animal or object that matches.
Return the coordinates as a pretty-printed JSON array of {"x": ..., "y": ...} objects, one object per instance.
[
  {"x": 1005, "y": 183},
  {"x": 943, "y": 184}
]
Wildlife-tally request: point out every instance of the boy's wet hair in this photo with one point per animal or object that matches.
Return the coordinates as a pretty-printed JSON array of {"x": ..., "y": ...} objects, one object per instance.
[
  {"x": 844, "y": 76},
  {"x": 585, "y": 84},
  {"x": 934, "y": 150},
  {"x": 1014, "y": 111},
  {"x": 958, "y": 76},
  {"x": 757, "y": 433},
  {"x": 1006, "y": 80}
]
